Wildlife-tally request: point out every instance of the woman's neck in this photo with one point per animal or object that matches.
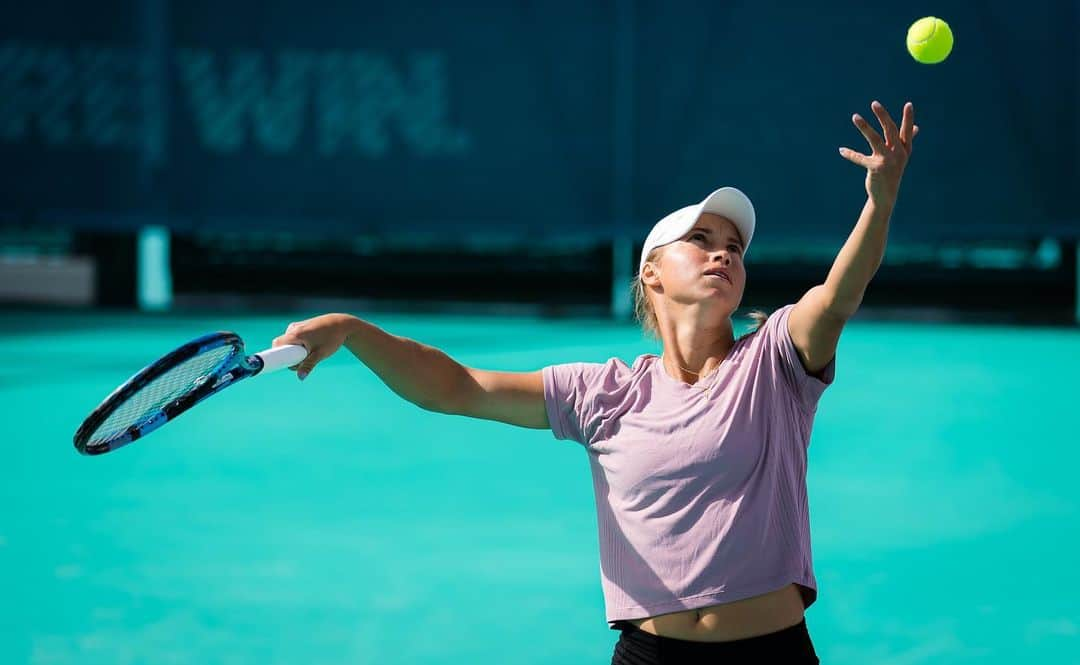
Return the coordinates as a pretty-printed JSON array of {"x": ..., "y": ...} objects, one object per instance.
[{"x": 692, "y": 356}]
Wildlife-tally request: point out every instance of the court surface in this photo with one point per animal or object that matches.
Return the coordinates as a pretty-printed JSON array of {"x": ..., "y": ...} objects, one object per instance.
[{"x": 349, "y": 526}]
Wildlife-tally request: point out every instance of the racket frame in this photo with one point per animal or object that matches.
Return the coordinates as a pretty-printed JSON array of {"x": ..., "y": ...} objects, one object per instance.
[{"x": 232, "y": 368}]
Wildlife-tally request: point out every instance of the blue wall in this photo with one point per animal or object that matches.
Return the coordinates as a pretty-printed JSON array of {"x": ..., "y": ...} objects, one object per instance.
[{"x": 529, "y": 118}]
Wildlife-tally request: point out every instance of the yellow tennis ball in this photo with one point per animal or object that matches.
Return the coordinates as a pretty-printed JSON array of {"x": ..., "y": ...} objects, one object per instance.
[{"x": 929, "y": 40}]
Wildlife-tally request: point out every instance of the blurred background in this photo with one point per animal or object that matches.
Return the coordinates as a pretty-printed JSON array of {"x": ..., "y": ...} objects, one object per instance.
[{"x": 480, "y": 177}]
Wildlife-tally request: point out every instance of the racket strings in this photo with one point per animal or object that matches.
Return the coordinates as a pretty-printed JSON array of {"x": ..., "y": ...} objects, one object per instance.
[{"x": 152, "y": 397}]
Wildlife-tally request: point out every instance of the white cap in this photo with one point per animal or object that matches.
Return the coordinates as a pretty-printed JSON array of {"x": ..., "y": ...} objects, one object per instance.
[{"x": 726, "y": 202}]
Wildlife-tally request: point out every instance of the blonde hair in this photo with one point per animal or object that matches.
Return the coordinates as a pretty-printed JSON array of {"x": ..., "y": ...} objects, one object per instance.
[{"x": 646, "y": 315}]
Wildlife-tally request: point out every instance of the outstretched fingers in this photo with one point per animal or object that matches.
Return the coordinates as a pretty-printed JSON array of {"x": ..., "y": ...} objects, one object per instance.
[
  {"x": 892, "y": 134},
  {"x": 869, "y": 133},
  {"x": 907, "y": 125},
  {"x": 855, "y": 157}
]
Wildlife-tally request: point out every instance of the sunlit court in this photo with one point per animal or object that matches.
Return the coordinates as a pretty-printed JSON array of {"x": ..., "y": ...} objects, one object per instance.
[
  {"x": 330, "y": 521},
  {"x": 626, "y": 333}
]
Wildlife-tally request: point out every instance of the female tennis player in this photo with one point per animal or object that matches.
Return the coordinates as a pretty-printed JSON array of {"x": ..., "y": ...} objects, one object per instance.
[{"x": 698, "y": 455}]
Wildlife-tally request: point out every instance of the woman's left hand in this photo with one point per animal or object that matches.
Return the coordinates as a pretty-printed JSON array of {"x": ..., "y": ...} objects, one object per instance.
[{"x": 885, "y": 166}]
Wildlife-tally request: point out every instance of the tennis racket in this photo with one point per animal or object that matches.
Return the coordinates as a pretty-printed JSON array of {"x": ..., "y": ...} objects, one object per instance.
[{"x": 173, "y": 384}]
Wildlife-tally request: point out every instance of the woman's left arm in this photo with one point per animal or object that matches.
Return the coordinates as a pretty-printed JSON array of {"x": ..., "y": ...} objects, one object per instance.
[{"x": 818, "y": 318}]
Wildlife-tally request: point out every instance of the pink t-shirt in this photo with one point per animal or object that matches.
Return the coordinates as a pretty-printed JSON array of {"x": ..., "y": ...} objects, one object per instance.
[{"x": 700, "y": 490}]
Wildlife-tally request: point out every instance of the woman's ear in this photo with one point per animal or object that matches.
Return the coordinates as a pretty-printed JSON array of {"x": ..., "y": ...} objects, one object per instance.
[{"x": 649, "y": 275}]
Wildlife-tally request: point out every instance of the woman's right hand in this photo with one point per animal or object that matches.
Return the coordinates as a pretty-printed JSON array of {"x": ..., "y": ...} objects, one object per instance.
[{"x": 322, "y": 336}]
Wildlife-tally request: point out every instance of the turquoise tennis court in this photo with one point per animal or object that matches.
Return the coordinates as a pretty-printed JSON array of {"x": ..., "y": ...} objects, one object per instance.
[{"x": 332, "y": 522}]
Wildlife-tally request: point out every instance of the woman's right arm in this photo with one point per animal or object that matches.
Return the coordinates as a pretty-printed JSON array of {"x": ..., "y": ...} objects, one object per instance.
[{"x": 423, "y": 374}]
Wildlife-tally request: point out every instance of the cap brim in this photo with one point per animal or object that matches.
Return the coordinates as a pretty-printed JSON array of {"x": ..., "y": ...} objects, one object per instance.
[{"x": 733, "y": 204}]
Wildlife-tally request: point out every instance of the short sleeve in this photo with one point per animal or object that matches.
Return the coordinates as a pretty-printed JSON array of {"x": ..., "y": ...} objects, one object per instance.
[
  {"x": 807, "y": 388},
  {"x": 570, "y": 392}
]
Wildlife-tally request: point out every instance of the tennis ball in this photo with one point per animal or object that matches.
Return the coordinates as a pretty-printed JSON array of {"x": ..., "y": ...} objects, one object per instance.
[{"x": 929, "y": 40}]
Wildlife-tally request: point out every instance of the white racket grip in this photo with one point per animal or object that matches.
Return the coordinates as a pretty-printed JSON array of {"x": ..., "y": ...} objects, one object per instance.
[{"x": 286, "y": 355}]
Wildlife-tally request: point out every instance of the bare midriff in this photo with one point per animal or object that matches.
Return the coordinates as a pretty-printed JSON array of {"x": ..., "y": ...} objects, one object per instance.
[{"x": 751, "y": 617}]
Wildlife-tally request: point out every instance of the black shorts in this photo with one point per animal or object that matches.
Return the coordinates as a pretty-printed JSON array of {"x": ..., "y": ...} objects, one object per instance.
[{"x": 637, "y": 647}]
